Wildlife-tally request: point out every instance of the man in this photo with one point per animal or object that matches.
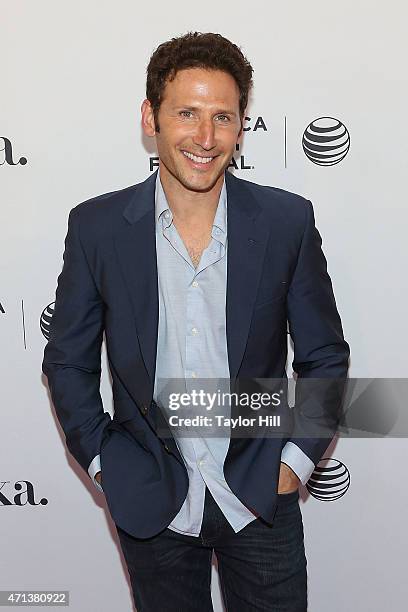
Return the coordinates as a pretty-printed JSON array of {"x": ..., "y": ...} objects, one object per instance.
[{"x": 195, "y": 273}]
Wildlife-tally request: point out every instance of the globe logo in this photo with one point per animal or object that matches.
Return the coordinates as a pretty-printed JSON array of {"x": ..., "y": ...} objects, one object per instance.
[
  {"x": 45, "y": 320},
  {"x": 326, "y": 141},
  {"x": 329, "y": 481}
]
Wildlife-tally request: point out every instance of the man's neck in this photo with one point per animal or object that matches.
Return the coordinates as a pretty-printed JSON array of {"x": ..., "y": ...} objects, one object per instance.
[{"x": 193, "y": 208}]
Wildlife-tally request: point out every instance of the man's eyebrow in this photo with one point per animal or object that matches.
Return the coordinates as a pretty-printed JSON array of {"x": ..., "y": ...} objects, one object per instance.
[{"x": 220, "y": 111}]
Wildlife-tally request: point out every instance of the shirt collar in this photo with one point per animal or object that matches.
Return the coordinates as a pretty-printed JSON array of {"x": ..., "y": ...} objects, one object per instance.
[{"x": 162, "y": 209}]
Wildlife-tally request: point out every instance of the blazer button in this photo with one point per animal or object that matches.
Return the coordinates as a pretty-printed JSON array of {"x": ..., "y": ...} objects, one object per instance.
[
  {"x": 166, "y": 448},
  {"x": 144, "y": 409}
]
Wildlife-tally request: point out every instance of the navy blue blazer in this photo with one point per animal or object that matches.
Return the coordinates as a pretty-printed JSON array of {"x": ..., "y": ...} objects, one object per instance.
[{"x": 276, "y": 275}]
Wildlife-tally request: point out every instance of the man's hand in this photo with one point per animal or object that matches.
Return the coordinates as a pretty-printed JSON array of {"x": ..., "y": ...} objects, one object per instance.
[
  {"x": 98, "y": 477},
  {"x": 288, "y": 480}
]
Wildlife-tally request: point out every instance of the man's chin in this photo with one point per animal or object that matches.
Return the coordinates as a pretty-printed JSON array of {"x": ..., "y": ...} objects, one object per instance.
[
  {"x": 195, "y": 181},
  {"x": 201, "y": 184}
]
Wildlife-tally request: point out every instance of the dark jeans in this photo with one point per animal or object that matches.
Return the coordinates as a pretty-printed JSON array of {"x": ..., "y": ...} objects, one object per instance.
[{"x": 262, "y": 567}]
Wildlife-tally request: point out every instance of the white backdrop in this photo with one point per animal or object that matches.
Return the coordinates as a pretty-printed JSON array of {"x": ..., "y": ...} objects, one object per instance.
[{"x": 72, "y": 81}]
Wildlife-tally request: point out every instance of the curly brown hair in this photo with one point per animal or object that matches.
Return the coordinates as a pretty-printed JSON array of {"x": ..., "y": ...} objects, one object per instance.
[{"x": 196, "y": 50}]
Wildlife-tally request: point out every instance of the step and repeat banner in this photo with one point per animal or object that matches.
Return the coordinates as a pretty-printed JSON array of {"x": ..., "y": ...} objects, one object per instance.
[{"x": 326, "y": 119}]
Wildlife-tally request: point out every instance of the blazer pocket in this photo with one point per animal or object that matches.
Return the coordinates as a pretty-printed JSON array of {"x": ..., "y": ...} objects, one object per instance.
[
  {"x": 268, "y": 301},
  {"x": 130, "y": 430},
  {"x": 269, "y": 294}
]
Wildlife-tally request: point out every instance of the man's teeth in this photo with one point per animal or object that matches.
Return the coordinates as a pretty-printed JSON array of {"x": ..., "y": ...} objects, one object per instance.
[{"x": 200, "y": 160}]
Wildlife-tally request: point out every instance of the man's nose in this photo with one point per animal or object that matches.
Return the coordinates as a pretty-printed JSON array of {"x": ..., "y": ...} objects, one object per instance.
[{"x": 205, "y": 134}]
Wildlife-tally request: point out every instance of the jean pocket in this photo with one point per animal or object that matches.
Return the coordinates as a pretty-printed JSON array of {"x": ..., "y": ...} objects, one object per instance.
[{"x": 288, "y": 497}]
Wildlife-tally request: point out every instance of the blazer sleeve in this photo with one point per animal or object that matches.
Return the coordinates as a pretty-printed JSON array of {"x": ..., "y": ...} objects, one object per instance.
[
  {"x": 72, "y": 355},
  {"x": 320, "y": 352}
]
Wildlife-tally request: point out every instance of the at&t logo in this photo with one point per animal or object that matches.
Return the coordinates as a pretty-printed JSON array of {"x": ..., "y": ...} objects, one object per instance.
[
  {"x": 329, "y": 481},
  {"x": 326, "y": 141}
]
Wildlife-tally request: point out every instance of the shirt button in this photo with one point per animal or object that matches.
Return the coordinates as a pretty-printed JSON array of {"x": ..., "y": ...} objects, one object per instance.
[
  {"x": 167, "y": 215},
  {"x": 194, "y": 330},
  {"x": 195, "y": 284},
  {"x": 201, "y": 462},
  {"x": 193, "y": 374}
]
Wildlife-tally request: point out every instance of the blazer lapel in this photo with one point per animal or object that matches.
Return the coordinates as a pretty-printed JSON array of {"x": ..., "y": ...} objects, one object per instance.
[
  {"x": 136, "y": 250},
  {"x": 247, "y": 238}
]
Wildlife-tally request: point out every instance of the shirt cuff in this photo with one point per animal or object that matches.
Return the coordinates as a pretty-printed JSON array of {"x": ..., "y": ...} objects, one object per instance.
[
  {"x": 298, "y": 461},
  {"x": 93, "y": 469}
]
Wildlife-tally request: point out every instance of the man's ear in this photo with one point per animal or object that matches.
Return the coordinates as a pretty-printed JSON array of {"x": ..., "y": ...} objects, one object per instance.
[
  {"x": 148, "y": 124},
  {"x": 241, "y": 131}
]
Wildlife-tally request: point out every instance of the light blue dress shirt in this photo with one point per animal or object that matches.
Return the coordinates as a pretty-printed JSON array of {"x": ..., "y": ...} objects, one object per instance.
[{"x": 192, "y": 344}]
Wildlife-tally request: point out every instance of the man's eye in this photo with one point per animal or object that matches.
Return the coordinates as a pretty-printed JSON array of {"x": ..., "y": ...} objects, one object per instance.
[
  {"x": 225, "y": 117},
  {"x": 184, "y": 113}
]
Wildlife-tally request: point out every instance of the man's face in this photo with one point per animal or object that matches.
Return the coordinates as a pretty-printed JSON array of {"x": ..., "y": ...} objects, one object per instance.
[{"x": 200, "y": 124}]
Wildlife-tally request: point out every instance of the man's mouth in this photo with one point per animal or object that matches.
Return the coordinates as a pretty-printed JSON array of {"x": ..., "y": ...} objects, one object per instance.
[{"x": 198, "y": 159}]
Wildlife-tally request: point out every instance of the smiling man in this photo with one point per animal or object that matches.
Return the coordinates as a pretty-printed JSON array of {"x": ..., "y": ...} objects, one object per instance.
[{"x": 195, "y": 274}]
